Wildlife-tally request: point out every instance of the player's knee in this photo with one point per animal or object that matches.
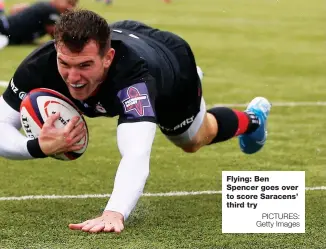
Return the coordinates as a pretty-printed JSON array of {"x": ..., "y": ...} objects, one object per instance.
[
  {"x": 191, "y": 149},
  {"x": 193, "y": 146}
]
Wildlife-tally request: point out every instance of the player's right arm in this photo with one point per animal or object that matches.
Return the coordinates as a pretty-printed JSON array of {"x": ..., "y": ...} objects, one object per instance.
[{"x": 14, "y": 145}]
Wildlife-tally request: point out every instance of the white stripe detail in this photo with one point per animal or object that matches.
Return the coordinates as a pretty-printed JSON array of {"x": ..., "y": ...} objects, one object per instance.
[
  {"x": 3, "y": 83},
  {"x": 88, "y": 196}
]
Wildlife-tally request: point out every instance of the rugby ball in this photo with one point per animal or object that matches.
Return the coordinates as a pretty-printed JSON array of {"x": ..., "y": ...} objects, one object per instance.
[{"x": 38, "y": 105}]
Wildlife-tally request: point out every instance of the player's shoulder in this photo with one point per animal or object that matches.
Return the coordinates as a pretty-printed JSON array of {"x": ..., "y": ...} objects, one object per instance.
[
  {"x": 38, "y": 69},
  {"x": 127, "y": 64},
  {"x": 38, "y": 65}
]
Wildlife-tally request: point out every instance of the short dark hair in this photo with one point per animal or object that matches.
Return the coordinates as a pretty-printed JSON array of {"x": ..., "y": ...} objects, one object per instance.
[{"x": 76, "y": 28}]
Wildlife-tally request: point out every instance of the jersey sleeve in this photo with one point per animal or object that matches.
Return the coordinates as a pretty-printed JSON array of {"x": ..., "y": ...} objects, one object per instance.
[
  {"x": 137, "y": 101},
  {"x": 134, "y": 167},
  {"x": 23, "y": 81}
]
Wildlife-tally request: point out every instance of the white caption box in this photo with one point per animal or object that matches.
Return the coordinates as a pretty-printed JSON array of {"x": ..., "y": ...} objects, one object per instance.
[{"x": 263, "y": 202}]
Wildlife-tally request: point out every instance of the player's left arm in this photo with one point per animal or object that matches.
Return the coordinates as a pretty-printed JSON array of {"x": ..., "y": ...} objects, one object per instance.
[
  {"x": 135, "y": 142},
  {"x": 135, "y": 134}
]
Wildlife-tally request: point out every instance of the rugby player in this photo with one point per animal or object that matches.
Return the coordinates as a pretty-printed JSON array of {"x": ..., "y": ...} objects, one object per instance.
[{"x": 145, "y": 76}]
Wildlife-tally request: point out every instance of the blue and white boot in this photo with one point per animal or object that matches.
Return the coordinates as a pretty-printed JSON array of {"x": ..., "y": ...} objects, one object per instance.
[{"x": 252, "y": 142}]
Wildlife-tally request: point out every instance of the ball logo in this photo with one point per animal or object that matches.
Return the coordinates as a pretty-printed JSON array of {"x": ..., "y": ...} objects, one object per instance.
[
  {"x": 27, "y": 127},
  {"x": 38, "y": 105},
  {"x": 48, "y": 112},
  {"x": 46, "y": 106}
]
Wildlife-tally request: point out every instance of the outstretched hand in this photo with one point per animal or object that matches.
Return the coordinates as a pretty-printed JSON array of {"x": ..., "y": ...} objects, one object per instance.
[{"x": 109, "y": 221}]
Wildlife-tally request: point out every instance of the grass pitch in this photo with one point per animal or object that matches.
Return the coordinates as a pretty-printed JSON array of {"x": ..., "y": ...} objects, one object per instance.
[{"x": 247, "y": 48}]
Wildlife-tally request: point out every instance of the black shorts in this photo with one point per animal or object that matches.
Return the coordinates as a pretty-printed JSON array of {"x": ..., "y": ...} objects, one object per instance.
[{"x": 176, "y": 110}]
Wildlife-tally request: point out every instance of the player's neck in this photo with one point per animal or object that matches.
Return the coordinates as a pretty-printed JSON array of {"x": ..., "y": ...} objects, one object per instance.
[{"x": 99, "y": 85}]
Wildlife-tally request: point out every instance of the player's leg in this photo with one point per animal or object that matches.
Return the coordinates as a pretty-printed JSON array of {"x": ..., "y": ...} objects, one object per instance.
[
  {"x": 189, "y": 125},
  {"x": 219, "y": 124},
  {"x": 222, "y": 123}
]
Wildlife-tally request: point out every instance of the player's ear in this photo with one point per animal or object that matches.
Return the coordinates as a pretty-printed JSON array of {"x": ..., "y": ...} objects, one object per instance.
[{"x": 108, "y": 57}]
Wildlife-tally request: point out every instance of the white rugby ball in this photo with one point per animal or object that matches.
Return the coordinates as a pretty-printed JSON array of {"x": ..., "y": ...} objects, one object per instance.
[{"x": 38, "y": 105}]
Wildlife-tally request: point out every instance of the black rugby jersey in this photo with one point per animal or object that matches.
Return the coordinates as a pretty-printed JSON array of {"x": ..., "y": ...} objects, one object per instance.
[{"x": 141, "y": 77}]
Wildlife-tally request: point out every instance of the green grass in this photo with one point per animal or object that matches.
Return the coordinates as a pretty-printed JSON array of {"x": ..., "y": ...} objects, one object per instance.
[
  {"x": 246, "y": 48},
  {"x": 174, "y": 222}
]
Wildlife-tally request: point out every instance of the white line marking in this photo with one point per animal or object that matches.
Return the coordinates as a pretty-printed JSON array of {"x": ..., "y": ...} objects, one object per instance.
[
  {"x": 87, "y": 196},
  {"x": 277, "y": 104},
  {"x": 3, "y": 83}
]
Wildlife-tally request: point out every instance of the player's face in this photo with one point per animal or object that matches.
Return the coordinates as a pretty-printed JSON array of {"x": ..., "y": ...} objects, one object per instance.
[{"x": 83, "y": 72}]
